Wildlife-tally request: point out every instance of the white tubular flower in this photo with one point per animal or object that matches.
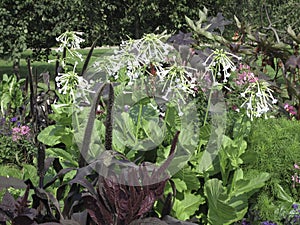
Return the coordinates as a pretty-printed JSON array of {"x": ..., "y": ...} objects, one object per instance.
[
  {"x": 259, "y": 99},
  {"x": 67, "y": 82},
  {"x": 136, "y": 55},
  {"x": 70, "y": 40},
  {"x": 220, "y": 61},
  {"x": 179, "y": 78}
]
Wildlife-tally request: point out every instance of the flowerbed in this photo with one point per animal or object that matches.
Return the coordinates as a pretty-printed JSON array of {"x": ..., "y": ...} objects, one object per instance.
[{"x": 163, "y": 130}]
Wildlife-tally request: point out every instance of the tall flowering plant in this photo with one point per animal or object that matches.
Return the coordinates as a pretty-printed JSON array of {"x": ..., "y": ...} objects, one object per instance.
[{"x": 256, "y": 94}]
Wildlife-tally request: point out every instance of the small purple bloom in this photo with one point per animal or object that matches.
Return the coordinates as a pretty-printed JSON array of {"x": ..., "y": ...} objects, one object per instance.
[
  {"x": 14, "y": 119},
  {"x": 268, "y": 223},
  {"x": 295, "y": 206},
  {"x": 244, "y": 222}
]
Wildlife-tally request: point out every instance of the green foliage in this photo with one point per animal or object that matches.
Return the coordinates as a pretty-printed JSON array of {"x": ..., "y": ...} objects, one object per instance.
[
  {"x": 275, "y": 143},
  {"x": 230, "y": 205},
  {"x": 228, "y": 199},
  {"x": 16, "y": 151},
  {"x": 188, "y": 205},
  {"x": 11, "y": 94}
]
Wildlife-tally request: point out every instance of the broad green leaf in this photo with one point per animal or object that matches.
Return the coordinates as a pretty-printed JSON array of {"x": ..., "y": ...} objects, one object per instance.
[
  {"x": 62, "y": 154},
  {"x": 5, "y": 99},
  {"x": 49, "y": 136},
  {"x": 187, "y": 206},
  {"x": 219, "y": 211},
  {"x": 30, "y": 172},
  {"x": 153, "y": 131},
  {"x": 282, "y": 195},
  {"x": 249, "y": 186},
  {"x": 205, "y": 132},
  {"x": 180, "y": 185},
  {"x": 189, "y": 177}
]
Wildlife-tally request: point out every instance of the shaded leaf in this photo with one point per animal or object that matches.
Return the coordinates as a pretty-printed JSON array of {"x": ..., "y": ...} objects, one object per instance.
[
  {"x": 6, "y": 182},
  {"x": 147, "y": 204},
  {"x": 172, "y": 221},
  {"x": 148, "y": 221}
]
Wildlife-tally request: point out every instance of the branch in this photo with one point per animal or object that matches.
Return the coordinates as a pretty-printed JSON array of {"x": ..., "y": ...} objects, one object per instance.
[{"x": 271, "y": 28}]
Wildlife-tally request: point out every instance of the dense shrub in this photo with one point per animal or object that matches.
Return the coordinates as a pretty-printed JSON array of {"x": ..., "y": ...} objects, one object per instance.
[{"x": 276, "y": 144}]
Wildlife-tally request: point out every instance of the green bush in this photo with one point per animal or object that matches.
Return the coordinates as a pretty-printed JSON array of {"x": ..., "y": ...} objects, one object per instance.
[
  {"x": 275, "y": 144},
  {"x": 16, "y": 152}
]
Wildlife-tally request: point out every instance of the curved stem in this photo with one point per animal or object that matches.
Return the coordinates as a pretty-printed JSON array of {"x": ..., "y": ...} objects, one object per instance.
[{"x": 138, "y": 122}]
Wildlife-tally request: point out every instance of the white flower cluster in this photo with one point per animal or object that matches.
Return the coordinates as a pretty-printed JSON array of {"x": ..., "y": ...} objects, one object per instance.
[
  {"x": 137, "y": 56},
  {"x": 179, "y": 78},
  {"x": 220, "y": 61},
  {"x": 67, "y": 82},
  {"x": 70, "y": 40},
  {"x": 259, "y": 99},
  {"x": 72, "y": 84}
]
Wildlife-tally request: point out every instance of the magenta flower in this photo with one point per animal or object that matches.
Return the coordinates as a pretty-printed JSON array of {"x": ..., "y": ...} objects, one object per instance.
[
  {"x": 19, "y": 132},
  {"x": 290, "y": 109},
  {"x": 25, "y": 130},
  {"x": 16, "y": 130},
  {"x": 245, "y": 75}
]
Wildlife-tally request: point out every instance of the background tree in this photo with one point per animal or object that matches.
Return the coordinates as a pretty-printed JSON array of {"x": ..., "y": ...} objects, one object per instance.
[{"x": 35, "y": 24}]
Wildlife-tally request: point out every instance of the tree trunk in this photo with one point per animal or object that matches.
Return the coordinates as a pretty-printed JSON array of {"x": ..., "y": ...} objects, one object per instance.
[
  {"x": 16, "y": 68},
  {"x": 137, "y": 28}
]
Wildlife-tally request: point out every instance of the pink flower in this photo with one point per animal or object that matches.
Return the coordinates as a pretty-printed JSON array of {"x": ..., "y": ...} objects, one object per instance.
[
  {"x": 235, "y": 108},
  {"x": 285, "y": 106},
  {"x": 16, "y": 130},
  {"x": 15, "y": 137},
  {"x": 296, "y": 166},
  {"x": 25, "y": 130},
  {"x": 289, "y": 108},
  {"x": 245, "y": 76}
]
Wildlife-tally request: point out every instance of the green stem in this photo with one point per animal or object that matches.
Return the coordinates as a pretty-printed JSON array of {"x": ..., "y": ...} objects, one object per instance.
[
  {"x": 138, "y": 122},
  {"x": 208, "y": 106}
]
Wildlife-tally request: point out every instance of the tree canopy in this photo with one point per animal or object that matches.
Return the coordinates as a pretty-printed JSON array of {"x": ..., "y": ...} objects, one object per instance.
[{"x": 35, "y": 24}]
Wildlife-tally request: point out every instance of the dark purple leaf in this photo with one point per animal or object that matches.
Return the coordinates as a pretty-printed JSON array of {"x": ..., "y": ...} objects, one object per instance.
[
  {"x": 85, "y": 183},
  {"x": 23, "y": 220},
  {"x": 60, "y": 192},
  {"x": 108, "y": 192},
  {"x": 60, "y": 174},
  {"x": 48, "y": 163},
  {"x": 23, "y": 201},
  {"x": 97, "y": 211},
  {"x": 7, "y": 207},
  {"x": 8, "y": 202},
  {"x": 172, "y": 221},
  {"x": 71, "y": 200},
  {"x": 6, "y": 182},
  {"x": 148, "y": 221},
  {"x": 50, "y": 223},
  {"x": 71, "y": 222},
  {"x": 47, "y": 200},
  {"x": 147, "y": 204},
  {"x": 181, "y": 39},
  {"x": 80, "y": 217},
  {"x": 293, "y": 62}
]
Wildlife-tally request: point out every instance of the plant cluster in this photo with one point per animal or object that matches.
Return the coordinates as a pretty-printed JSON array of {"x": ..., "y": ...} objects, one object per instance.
[{"x": 126, "y": 141}]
